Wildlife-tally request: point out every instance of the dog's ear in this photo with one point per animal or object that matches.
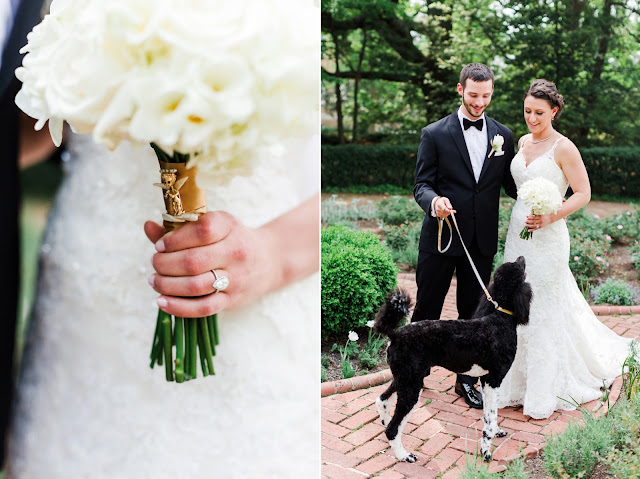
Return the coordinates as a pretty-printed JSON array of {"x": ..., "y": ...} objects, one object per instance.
[{"x": 522, "y": 303}]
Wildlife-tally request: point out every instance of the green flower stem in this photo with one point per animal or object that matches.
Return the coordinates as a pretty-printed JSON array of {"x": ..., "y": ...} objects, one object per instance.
[
  {"x": 193, "y": 343},
  {"x": 212, "y": 335},
  {"x": 157, "y": 343},
  {"x": 179, "y": 337},
  {"x": 203, "y": 354},
  {"x": 204, "y": 333},
  {"x": 215, "y": 329},
  {"x": 187, "y": 348},
  {"x": 167, "y": 338}
]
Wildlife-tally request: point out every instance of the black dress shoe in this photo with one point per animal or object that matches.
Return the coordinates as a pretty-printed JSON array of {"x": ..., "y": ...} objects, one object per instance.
[{"x": 471, "y": 396}]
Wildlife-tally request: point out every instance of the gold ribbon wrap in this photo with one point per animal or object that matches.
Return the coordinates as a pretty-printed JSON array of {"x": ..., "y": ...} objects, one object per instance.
[{"x": 192, "y": 197}]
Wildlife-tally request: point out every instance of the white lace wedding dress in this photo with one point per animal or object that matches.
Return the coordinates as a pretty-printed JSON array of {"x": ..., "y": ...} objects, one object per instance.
[
  {"x": 90, "y": 406},
  {"x": 564, "y": 353}
]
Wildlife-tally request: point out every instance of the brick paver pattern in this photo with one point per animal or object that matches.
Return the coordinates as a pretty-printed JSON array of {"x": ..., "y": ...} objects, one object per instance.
[{"x": 443, "y": 431}]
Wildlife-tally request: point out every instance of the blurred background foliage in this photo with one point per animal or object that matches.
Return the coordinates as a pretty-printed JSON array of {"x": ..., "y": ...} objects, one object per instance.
[{"x": 390, "y": 67}]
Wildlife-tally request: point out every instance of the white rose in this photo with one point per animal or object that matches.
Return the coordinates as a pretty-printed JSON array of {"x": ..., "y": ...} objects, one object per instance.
[{"x": 498, "y": 141}]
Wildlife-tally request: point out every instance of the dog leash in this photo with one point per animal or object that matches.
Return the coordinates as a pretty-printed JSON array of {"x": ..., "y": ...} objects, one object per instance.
[{"x": 473, "y": 266}]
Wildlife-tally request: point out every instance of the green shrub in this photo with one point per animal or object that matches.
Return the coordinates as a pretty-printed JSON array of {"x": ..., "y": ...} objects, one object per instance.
[
  {"x": 403, "y": 241},
  {"x": 624, "y": 227},
  {"x": 615, "y": 291},
  {"x": 396, "y": 210},
  {"x": 504, "y": 216},
  {"x": 370, "y": 165},
  {"x": 613, "y": 171},
  {"x": 624, "y": 460},
  {"x": 589, "y": 245},
  {"x": 587, "y": 259},
  {"x": 635, "y": 256},
  {"x": 334, "y": 210},
  {"x": 357, "y": 273},
  {"x": 575, "y": 452}
]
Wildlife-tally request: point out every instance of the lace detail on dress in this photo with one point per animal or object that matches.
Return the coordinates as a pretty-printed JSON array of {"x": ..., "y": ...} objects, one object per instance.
[
  {"x": 565, "y": 352},
  {"x": 90, "y": 406}
]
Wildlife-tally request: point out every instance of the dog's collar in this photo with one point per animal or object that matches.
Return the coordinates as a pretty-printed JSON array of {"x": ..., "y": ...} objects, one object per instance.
[{"x": 503, "y": 310}]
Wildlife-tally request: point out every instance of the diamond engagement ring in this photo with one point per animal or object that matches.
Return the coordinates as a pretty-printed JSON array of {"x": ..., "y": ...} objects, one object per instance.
[{"x": 221, "y": 283}]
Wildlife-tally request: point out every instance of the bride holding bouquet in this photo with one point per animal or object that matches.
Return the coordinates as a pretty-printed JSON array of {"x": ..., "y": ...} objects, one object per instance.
[{"x": 232, "y": 88}]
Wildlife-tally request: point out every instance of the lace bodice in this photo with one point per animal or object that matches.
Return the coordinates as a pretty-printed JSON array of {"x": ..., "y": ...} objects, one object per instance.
[
  {"x": 544, "y": 165},
  {"x": 90, "y": 406},
  {"x": 564, "y": 353}
]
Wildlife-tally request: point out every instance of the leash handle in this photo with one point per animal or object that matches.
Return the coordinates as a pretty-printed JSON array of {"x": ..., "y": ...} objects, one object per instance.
[{"x": 473, "y": 266}]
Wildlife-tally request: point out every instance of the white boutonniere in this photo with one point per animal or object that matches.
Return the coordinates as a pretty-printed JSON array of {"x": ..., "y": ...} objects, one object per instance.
[{"x": 496, "y": 145}]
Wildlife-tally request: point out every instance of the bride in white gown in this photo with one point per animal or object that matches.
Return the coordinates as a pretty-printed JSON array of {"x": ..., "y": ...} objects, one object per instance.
[
  {"x": 565, "y": 353},
  {"x": 88, "y": 404}
]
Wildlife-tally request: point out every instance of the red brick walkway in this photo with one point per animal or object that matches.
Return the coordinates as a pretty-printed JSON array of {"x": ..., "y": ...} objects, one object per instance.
[{"x": 443, "y": 433}]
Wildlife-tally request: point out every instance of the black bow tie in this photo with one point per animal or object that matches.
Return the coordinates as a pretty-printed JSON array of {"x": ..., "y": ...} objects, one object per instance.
[{"x": 468, "y": 123}]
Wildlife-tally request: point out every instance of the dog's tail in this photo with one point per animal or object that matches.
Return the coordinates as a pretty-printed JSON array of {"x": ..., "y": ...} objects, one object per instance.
[{"x": 393, "y": 313}]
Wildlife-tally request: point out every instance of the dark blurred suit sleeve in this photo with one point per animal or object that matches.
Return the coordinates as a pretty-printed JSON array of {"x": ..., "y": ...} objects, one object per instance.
[{"x": 27, "y": 15}]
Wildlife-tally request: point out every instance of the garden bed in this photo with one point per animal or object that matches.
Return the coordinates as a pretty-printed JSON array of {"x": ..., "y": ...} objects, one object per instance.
[{"x": 363, "y": 213}]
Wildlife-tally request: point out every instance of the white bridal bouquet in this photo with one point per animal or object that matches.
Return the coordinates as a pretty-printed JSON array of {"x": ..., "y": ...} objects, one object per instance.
[
  {"x": 542, "y": 196},
  {"x": 206, "y": 83}
]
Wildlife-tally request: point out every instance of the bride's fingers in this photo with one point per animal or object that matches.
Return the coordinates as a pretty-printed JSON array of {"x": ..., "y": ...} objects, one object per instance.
[
  {"x": 194, "y": 307},
  {"x": 189, "y": 286},
  {"x": 154, "y": 231},
  {"x": 210, "y": 228},
  {"x": 196, "y": 261}
]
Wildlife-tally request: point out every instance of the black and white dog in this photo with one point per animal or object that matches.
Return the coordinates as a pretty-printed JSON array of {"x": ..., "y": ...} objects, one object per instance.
[{"x": 482, "y": 347}]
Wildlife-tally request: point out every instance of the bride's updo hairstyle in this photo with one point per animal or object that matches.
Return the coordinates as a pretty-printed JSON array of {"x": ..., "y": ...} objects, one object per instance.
[{"x": 546, "y": 90}]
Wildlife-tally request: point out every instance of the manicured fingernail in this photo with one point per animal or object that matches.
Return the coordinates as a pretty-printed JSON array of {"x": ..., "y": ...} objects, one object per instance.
[
  {"x": 160, "y": 246},
  {"x": 152, "y": 279},
  {"x": 162, "y": 302}
]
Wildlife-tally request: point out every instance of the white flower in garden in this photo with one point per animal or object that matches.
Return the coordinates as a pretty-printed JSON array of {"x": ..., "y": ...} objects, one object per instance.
[
  {"x": 220, "y": 80},
  {"x": 608, "y": 238},
  {"x": 370, "y": 323},
  {"x": 628, "y": 213},
  {"x": 576, "y": 258},
  {"x": 598, "y": 258},
  {"x": 353, "y": 336},
  {"x": 619, "y": 227},
  {"x": 596, "y": 216}
]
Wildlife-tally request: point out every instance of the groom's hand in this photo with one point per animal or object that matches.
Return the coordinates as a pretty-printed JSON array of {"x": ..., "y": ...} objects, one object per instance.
[{"x": 443, "y": 207}]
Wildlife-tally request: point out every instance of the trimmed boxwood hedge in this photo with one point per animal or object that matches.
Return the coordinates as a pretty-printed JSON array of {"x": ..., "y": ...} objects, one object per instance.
[
  {"x": 357, "y": 273},
  {"x": 612, "y": 171}
]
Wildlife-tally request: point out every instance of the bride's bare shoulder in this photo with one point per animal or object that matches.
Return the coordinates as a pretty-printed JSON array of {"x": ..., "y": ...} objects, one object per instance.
[{"x": 523, "y": 139}]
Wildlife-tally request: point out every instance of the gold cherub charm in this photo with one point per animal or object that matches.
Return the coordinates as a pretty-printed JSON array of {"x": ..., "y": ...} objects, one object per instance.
[{"x": 171, "y": 186}]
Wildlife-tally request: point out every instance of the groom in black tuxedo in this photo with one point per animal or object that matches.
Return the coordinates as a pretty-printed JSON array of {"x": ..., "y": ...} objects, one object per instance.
[
  {"x": 454, "y": 172},
  {"x": 19, "y": 17}
]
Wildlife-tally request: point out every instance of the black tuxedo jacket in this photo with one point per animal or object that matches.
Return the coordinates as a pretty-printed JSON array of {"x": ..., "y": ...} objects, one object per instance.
[
  {"x": 444, "y": 169},
  {"x": 27, "y": 15}
]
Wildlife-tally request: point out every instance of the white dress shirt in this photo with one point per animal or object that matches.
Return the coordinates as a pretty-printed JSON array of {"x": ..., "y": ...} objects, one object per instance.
[{"x": 477, "y": 143}]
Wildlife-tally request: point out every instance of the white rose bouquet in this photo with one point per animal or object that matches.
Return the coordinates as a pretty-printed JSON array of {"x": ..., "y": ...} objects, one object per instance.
[
  {"x": 207, "y": 83},
  {"x": 542, "y": 196}
]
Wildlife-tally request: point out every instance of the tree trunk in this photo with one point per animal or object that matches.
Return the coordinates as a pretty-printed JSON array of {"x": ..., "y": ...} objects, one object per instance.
[
  {"x": 354, "y": 136},
  {"x": 340, "y": 118}
]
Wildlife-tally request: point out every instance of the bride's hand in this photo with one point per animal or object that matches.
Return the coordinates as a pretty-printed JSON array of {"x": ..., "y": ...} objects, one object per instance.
[
  {"x": 217, "y": 241},
  {"x": 535, "y": 222},
  {"x": 256, "y": 261}
]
